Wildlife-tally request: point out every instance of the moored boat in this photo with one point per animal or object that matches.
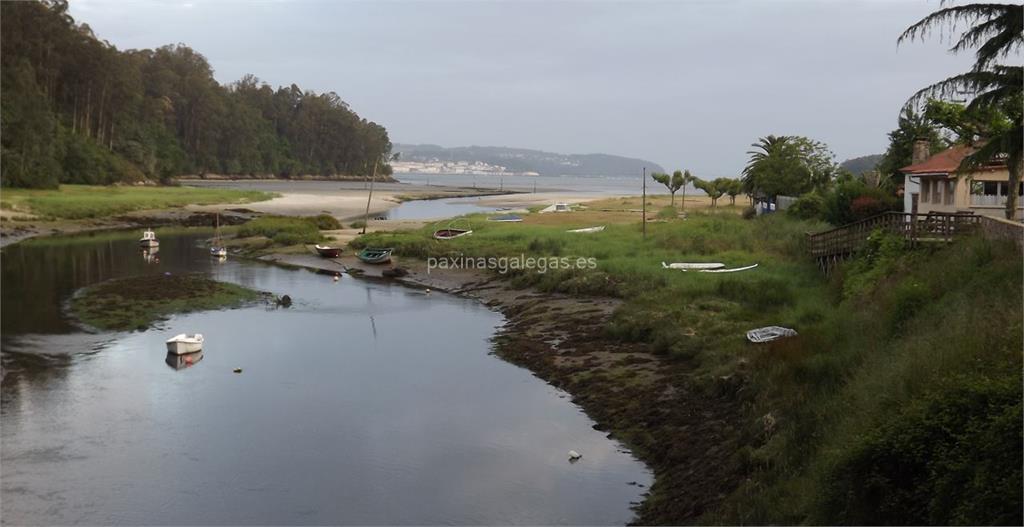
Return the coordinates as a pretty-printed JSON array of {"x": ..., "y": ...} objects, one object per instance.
[
  {"x": 148, "y": 239},
  {"x": 181, "y": 343},
  {"x": 450, "y": 234},
  {"x": 327, "y": 252},
  {"x": 375, "y": 255},
  {"x": 217, "y": 249}
]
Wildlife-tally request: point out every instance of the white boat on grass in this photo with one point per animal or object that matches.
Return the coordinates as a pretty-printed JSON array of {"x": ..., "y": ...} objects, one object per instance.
[
  {"x": 692, "y": 265},
  {"x": 588, "y": 229},
  {"x": 769, "y": 333},
  {"x": 181, "y": 344}
]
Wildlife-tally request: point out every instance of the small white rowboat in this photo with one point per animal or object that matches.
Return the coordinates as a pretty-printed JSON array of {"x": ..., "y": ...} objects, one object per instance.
[
  {"x": 686, "y": 265},
  {"x": 588, "y": 229},
  {"x": 769, "y": 333},
  {"x": 181, "y": 344},
  {"x": 733, "y": 270}
]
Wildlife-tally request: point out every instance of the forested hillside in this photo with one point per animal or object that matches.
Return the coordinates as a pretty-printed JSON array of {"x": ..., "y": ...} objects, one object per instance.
[{"x": 77, "y": 110}]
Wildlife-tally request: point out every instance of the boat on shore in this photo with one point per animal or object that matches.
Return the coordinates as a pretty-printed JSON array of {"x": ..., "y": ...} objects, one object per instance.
[
  {"x": 148, "y": 239},
  {"x": 588, "y": 230},
  {"x": 375, "y": 255},
  {"x": 693, "y": 265},
  {"x": 508, "y": 218},
  {"x": 450, "y": 234},
  {"x": 182, "y": 344},
  {"x": 327, "y": 251}
]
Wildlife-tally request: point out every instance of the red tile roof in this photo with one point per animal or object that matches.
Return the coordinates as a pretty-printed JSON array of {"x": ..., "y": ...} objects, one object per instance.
[{"x": 945, "y": 162}]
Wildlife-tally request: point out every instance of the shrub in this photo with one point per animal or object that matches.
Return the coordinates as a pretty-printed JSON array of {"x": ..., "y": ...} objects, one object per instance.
[
  {"x": 809, "y": 206},
  {"x": 852, "y": 200},
  {"x": 668, "y": 213},
  {"x": 749, "y": 213},
  {"x": 326, "y": 222}
]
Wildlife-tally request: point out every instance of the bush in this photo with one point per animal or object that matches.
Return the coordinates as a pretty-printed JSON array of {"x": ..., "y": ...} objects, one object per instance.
[
  {"x": 749, "y": 213},
  {"x": 326, "y": 222},
  {"x": 852, "y": 200},
  {"x": 809, "y": 206},
  {"x": 668, "y": 213}
]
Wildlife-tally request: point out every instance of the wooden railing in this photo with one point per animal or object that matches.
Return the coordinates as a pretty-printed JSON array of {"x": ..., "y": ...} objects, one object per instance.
[{"x": 833, "y": 245}]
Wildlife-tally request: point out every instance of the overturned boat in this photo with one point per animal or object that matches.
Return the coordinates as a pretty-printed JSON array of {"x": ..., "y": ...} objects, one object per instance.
[
  {"x": 588, "y": 229},
  {"x": 182, "y": 344},
  {"x": 769, "y": 333},
  {"x": 686, "y": 266}
]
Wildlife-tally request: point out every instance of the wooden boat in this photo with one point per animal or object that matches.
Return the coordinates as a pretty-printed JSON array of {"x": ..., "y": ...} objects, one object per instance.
[
  {"x": 506, "y": 218},
  {"x": 374, "y": 255},
  {"x": 181, "y": 344},
  {"x": 217, "y": 249},
  {"x": 686, "y": 266},
  {"x": 148, "y": 239},
  {"x": 327, "y": 252},
  {"x": 450, "y": 234},
  {"x": 588, "y": 230},
  {"x": 769, "y": 333}
]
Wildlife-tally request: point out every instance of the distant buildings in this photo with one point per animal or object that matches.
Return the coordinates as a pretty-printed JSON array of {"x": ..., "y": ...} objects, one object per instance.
[{"x": 436, "y": 166}]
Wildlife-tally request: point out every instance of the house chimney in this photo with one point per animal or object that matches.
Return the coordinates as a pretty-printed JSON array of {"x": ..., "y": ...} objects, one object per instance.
[{"x": 922, "y": 149}]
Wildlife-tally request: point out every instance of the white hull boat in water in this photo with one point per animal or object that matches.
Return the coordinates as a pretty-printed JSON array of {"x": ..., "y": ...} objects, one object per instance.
[
  {"x": 148, "y": 239},
  {"x": 182, "y": 344}
]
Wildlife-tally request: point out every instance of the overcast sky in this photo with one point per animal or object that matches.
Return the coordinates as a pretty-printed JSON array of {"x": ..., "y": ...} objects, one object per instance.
[{"x": 685, "y": 84}]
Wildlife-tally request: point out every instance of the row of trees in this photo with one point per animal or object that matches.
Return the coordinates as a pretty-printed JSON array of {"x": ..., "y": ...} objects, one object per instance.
[
  {"x": 715, "y": 188},
  {"x": 76, "y": 109}
]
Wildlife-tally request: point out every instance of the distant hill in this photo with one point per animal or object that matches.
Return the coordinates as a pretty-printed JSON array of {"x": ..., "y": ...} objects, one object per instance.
[
  {"x": 859, "y": 165},
  {"x": 523, "y": 160}
]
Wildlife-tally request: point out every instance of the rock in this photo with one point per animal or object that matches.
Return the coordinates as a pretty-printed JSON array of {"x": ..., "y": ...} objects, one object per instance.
[
  {"x": 284, "y": 301},
  {"x": 394, "y": 272},
  {"x": 237, "y": 370}
]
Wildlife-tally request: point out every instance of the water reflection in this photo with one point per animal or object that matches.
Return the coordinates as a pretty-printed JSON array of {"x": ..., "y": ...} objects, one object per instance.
[
  {"x": 150, "y": 255},
  {"x": 180, "y": 362}
]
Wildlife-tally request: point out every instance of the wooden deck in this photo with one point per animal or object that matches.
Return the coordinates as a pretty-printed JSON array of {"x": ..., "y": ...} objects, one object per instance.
[{"x": 835, "y": 245}]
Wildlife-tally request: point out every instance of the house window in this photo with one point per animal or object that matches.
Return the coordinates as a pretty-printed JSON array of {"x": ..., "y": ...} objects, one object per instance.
[
  {"x": 925, "y": 186},
  {"x": 990, "y": 188},
  {"x": 949, "y": 192}
]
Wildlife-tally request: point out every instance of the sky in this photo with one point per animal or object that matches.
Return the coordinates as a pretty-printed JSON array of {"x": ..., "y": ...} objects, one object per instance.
[{"x": 686, "y": 84}]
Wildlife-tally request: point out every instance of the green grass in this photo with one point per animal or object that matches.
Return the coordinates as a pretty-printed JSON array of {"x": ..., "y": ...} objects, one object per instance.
[
  {"x": 900, "y": 401},
  {"x": 287, "y": 230},
  {"x": 136, "y": 302},
  {"x": 88, "y": 201}
]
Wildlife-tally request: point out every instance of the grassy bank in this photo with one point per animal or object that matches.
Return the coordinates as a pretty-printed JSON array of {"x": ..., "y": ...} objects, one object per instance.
[
  {"x": 136, "y": 302},
  {"x": 899, "y": 402},
  {"x": 89, "y": 201}
]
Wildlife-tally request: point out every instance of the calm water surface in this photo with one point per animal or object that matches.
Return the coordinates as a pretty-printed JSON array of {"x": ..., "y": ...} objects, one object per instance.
[{"x": 364, "y": 403}]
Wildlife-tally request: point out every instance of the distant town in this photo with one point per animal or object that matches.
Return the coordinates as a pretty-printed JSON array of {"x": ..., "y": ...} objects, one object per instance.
[{"x": 437, "y": 166}]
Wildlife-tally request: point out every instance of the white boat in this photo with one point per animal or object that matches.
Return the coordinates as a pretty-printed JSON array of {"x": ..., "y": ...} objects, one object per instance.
[
  {"x": 687, "y": 265},
  {"x": 181, "y": 344},
  {"x": 557, "y": 207},
  {"x": 769, "y": 333},
  {"x": 588, "y": 229},
  {"x": 148, "y": 239},
  {"x": 733, "y": 270},
  {"x": 217, "y": 250}
]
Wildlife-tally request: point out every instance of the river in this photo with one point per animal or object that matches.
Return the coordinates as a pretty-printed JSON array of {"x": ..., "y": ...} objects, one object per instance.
[{"x": 363, "y": 403}]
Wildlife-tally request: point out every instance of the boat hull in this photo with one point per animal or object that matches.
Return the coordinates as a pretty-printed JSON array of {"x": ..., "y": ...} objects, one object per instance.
[
  {"x": 375, "y": 256},
  {"x": 449, "y": 234},
  {"x": 149, "y": 243},
  {"x": 183, "y": 344},
  {"x": 328, "y": 252}
]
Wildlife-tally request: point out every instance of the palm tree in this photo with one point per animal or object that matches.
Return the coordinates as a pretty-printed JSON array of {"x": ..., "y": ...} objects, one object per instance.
[{"x": 997, "y": 30}]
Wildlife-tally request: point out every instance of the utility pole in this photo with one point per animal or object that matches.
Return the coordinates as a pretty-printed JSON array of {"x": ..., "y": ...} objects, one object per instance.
[{"x": 644, "y": 207}]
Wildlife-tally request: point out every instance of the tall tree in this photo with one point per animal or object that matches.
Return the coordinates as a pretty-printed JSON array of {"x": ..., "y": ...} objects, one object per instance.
[
  {"x": 997, "y": 31},
  {"x": 787, "y": 165}
]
